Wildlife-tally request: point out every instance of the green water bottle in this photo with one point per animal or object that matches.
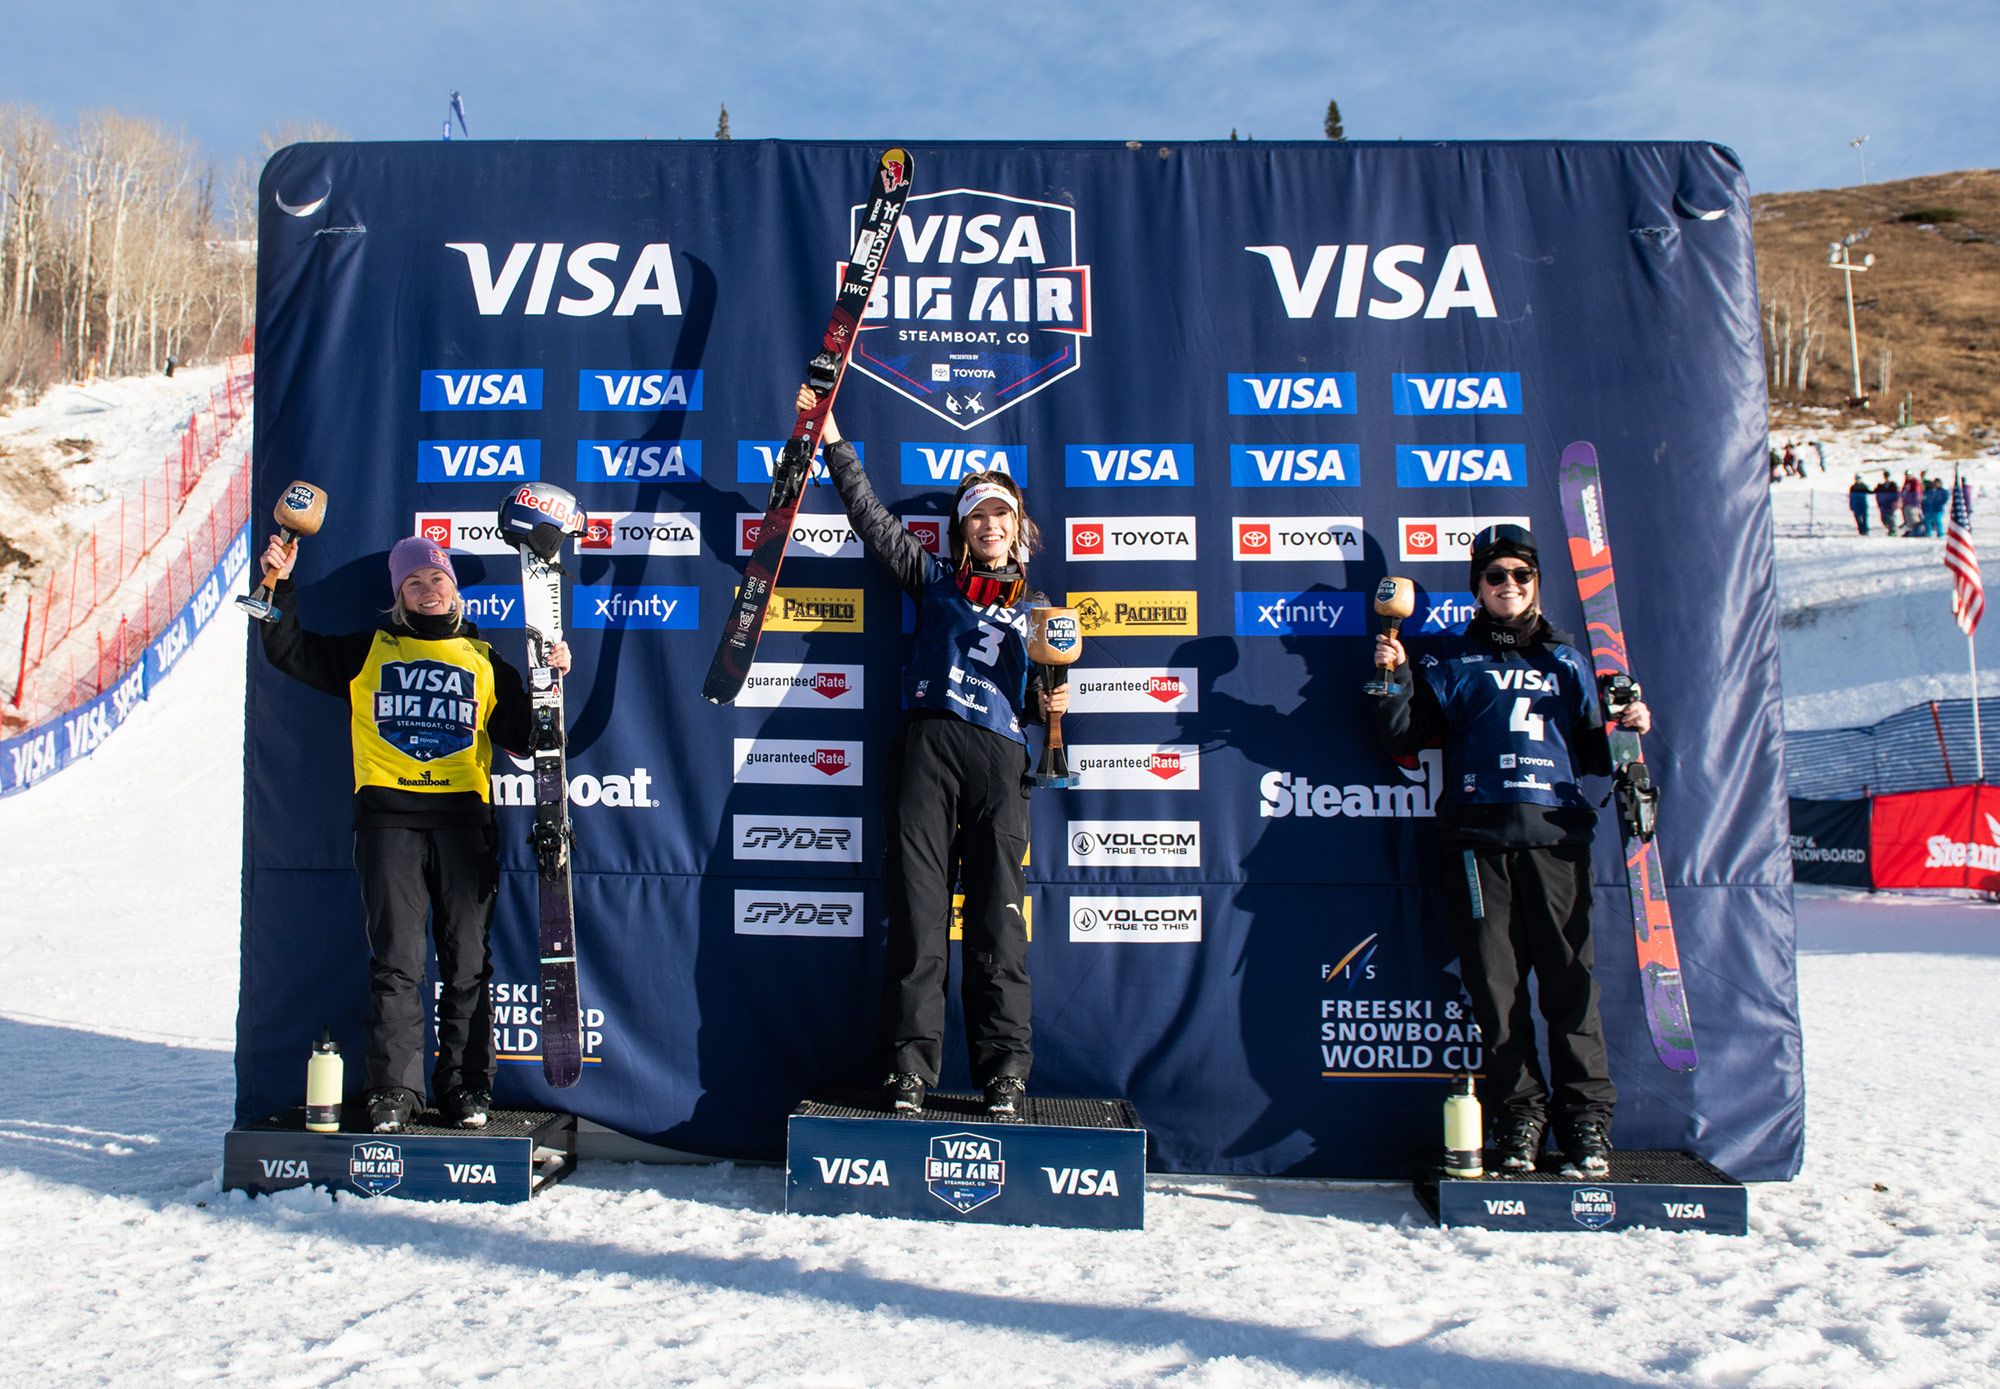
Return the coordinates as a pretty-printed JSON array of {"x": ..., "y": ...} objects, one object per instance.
[
  {"x": 323, "y": 1084},
  {"x": 1461, "y": 1130}
]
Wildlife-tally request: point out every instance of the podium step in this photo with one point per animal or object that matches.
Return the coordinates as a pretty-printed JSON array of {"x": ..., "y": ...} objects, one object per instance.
[
  {"x": 517, "y": 1154},
  {"x": 1658, "y": 1189},
  {"x": 1074, "y": 1163}
]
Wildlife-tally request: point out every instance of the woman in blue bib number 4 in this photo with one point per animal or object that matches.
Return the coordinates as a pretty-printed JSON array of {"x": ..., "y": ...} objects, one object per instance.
[
  {"x": 1516, "y": 707},
  {"x": 956, "y": 790}
]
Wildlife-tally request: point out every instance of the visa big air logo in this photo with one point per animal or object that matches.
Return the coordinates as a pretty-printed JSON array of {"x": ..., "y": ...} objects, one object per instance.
[
  {"x": 615, "y": 388},
  {"x": 479, "y": 460},
  {"x": 757, "y": 460},
  {"x": 941, "y": 463},
  {"x": 480, "y": 388},
  {"x": 1291, "y": 393},
  {"x": 637, "y": 460},
  {"x": 1289, "y": 465},
  {"x": 1487, "y": 465},
  {"x": 1445, "y": 537},
  {"x": 981, "y": 303},
  {"x": 1456, "y": 393},
  {"x": 1129, "y": 465}
]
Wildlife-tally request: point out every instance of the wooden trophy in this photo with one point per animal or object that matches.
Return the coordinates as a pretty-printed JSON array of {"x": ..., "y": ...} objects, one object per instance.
[
  {"x": 1395, "y": 599},
  {"x": 1055, "y": 640},
  {"x": 299, "y": 512}
]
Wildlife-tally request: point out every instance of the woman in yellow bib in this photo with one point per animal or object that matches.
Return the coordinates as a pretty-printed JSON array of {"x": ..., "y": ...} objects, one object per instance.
[{"x": 428, "y": 700}]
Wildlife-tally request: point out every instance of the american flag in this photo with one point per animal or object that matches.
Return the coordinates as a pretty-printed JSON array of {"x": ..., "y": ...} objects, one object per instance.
[{"x": 1968, "y": 595}]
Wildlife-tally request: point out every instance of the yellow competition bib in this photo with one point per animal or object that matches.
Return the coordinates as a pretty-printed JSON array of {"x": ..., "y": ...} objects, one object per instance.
[{"x": 419, "y": 715}]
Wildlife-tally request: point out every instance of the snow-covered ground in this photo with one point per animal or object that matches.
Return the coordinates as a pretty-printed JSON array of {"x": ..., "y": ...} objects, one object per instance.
[{"x": 124, "y": 1264}]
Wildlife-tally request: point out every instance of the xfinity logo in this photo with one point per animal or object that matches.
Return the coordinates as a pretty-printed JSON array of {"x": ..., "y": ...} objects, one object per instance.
[
  {"x": 1445, "y": 537},
  {"x": 1135, "y": 843},
  {"x": 1446, "y": 612},
  {"x": 492, "y": 605},
  {"x": 801, "y": 685},
  {"x": 1296, "y": 537},
  {"x": 1469, "y": 393},
  {"x": 798, "y": 761},
  {"x": 937, "y": 464},
  {"x": 636, "y": 460},
  {"x": 818, "y": 535},
  {"x": 1134, "y": 690},
  {"x": 1313, "y": 465},
  {"x": 1327, "y": 393},
  {"x": 1315, "y": 613},
  {"x": 480, "y": 388},
  {"x": 619, "y": 389},
  {"x": 1098, "y": 920},
  {"x": 798, "y": 838},
  {"x": 640, "y": 533},
  {"x": 1137, "y": 766},
  {"x": 479, "y": 460},
  {"x": 647, "y": 279},
  {"x": 638, "y": 607},
  {"x": 1460, "y": 282},
  {"x": 1130, "y": 537},
  {"x": 761, "y": 912}
]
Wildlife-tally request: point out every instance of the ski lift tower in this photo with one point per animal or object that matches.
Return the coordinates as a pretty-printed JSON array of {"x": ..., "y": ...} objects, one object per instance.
[{"x": 1840, "y": 259}]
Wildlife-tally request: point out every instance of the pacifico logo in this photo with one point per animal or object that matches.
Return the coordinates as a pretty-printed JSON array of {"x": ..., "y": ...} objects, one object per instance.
[
  {"x": 1170, "y": 613},
  {"x": 815, "y": 610}
]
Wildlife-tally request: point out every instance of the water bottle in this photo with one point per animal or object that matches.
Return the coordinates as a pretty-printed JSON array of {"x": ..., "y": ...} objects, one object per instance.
[
  {"x": 1461, "y": 1130},
  {"x": 323, "y": 1085}
]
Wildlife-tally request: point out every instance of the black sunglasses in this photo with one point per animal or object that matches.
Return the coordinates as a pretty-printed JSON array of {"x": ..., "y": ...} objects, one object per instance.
[{"x": 1498, "y": 575}]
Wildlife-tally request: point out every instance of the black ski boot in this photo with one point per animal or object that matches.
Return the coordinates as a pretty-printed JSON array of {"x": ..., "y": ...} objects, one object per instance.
[
  {"x": 1586, "y": 1147},
  {"x": 390, "y": 1110},
  {"x": 905, "y": 1091},
  {"x": 1004, "y": 1095},
  {"x": 466, "y": 1108},
  {"x": 1517, "y": 1140}
]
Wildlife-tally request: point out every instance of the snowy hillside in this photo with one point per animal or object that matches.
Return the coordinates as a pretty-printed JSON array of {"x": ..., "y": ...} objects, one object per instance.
[{"x": 126, "y": 1265}]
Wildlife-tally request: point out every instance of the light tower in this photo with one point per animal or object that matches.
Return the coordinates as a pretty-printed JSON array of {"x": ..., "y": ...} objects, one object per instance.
[{"x": 1840, "y": 260}]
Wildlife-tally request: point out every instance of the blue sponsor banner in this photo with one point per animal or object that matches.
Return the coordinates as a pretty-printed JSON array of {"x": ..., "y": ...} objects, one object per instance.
[
  {"x": 1456, "y": 392},
  {"x": 756, "y": 459},
  {"x": 638, "y": 460},
  {"x": 1291, "y": 393},
  {"x": 1456, "y": 465},
  {"x": 645, "y": 607},
  {"x": 1290, "y": 613},
  {"x": 1129, "y": 465},
  {"x": 492, "y": 606},
  {"x": 1438, "y": 613},
  {"x": 620, "y": 388},
  {"x": 1294, "y": 465},
  {"x": 942, "y": 465},
  {"x": 480, "y": 388},
  {"x": 479, "y": 460}
]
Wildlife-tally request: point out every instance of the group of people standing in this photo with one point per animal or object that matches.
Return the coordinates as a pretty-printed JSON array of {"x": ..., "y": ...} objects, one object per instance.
[{"x": 1914, "y": 509}]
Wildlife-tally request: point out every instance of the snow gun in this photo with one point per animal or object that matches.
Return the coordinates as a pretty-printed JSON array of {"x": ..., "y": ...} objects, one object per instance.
[{"x": 299, "y": 512}]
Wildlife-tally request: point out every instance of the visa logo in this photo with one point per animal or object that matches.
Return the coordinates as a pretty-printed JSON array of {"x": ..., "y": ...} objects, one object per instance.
[
  {"x": 624, "y": 460},
  {"x": 853, "y": 1171},
  {"x": 287, "y": 1169},
  {"x": 1460, "y": 283},
  {"x": 1469, "y": 393},
  {"x": 1082, "y": 1181},
  {"x": 1323, "y": 465},
  {"x": 937, "y": 463},
  {"x": 1507, "y": 1206},
  {"x": 1492, "y": 465},
  {"x": 480, "y": 388},
  {"x": 1685, "y": 1210},
  {"x": 1135, "y": 465},
  {"x": 649, "y": 284},
  {"x": 638, "y": 390},
  {"x": 757, "y": 460},
  {"x": 465, "y": 1173},
  {"x": 479, "y": 460},
  {"x": 1323, "y": 393}
]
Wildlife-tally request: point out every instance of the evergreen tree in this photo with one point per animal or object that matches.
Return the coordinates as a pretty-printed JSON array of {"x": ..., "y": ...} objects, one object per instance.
[
  {"x": 722, "y": 123},
  {"x": 1334, "y": 129}
]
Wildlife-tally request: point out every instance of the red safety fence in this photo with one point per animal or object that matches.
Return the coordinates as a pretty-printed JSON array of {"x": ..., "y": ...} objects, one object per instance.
[
  {"x": 99, "y": 612},
  {"x": 1946, "y": 838}
]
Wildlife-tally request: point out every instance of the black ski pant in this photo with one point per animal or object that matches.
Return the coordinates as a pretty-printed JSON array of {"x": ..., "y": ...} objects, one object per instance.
[
  {"x": 446, "y": 878},
  {"x": 1531, "y": 913},
  {"x": 956, "y": 793}
]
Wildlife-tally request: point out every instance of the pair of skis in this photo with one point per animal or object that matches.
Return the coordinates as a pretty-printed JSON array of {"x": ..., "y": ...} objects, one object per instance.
[{"x": 1660, "y": 985}]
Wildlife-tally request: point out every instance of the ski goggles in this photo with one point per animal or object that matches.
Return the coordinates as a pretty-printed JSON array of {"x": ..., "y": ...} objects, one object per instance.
[
  {"x": 1499, "y": 574},
  {"x": 984, "y": 491},
  {"x": 986, "y": 590}
]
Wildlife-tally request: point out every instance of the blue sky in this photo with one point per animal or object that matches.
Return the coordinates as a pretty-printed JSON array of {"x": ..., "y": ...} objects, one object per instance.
[{"x": 1787, "y": 85}]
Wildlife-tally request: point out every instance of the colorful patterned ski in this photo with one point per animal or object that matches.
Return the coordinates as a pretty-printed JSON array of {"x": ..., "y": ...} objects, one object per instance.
[
  {"x": 1652, "y": 924},
  {"x": 738, "y": 648}
]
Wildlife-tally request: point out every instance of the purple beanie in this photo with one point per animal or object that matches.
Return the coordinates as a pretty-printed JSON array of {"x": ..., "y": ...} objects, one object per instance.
[{"x": 413, "y": 553}]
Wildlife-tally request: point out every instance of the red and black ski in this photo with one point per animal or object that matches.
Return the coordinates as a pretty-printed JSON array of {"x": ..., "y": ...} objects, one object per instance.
[
  {"x": 1652, "y": 924},
  {"x": 738, "y": 648}
]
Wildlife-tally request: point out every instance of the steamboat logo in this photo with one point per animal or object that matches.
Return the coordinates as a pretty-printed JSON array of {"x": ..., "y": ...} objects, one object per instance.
[
  {"x": 980, "y": 303},
  {"x": 965, "y": 1170}
]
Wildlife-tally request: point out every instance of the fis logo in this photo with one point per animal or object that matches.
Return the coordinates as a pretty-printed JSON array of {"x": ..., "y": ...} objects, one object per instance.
[
  {"x": 980, "y": 304},
  {"x": 965, "y": 1170},
  {"x": 1137, "y": 766},
  {"x": 637, "y": 460},
  {"x": 1317, "y": 465},
  {"x": 798, "y": 838},
  {"x": 1126, "y": 613},
  {"x": 815, "y": 535},
  {"x": 793, "y": 685},
  {"x": 762, "y": 912},
  {"x": 479, "y": 460},
  {"x": 1297, "y": 537},
  {"x": 640, "y": 533},
  {"x": 1131, "y": 537},
  {"x": 616, "y": 389},
  {"x": 636, "y": 607},
  {"x": 930, "y": 533},
  {"x": 798, "y": 761},
  {"x": 1445, "y": 537},
  {"x": 1134, "y": 690},
  {"x": 1493, "y": 465},
  {"x": 1128, "y": 465},
  {"x": 1135, "y": 844},
  {"x": 1316, "y": 613},
  {"x": 1324, "y": 393},
  {"x": 648, "y": 279},
  {"x": 1456, "y": 393},
  {"x": 1460, "y": 282},
  {"x": 757, "y": 460},
  {"x": 613, "y": 791},
  {"x": 1101, "y": 920},
  {"x": 937, "y": 464},
  {"x": 853, "y": 1171},
  {"x": 480, "y": 388}
]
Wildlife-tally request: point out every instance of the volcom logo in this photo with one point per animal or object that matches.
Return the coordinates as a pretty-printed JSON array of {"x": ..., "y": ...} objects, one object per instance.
[{"x": 979, "y": 305}]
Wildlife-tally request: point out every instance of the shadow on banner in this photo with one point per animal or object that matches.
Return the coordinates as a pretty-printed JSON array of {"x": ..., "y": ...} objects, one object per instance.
[{"x": 1948, "y": 838}]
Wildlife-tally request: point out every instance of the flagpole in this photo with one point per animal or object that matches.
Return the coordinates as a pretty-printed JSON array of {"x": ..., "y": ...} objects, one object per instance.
[{"x": 1978, "y": 748}]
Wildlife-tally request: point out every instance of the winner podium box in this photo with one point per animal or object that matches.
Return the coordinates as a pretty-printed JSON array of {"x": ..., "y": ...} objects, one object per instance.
[
  {"x": 1074, "y": 1163},
  {"x": 1658, "y": 1190},
  {"x": 517, "y": 1154}
]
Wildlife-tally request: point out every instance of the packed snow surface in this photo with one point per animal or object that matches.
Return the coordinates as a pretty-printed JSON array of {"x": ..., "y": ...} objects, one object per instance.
[{"x": 125, "y": 1264}]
